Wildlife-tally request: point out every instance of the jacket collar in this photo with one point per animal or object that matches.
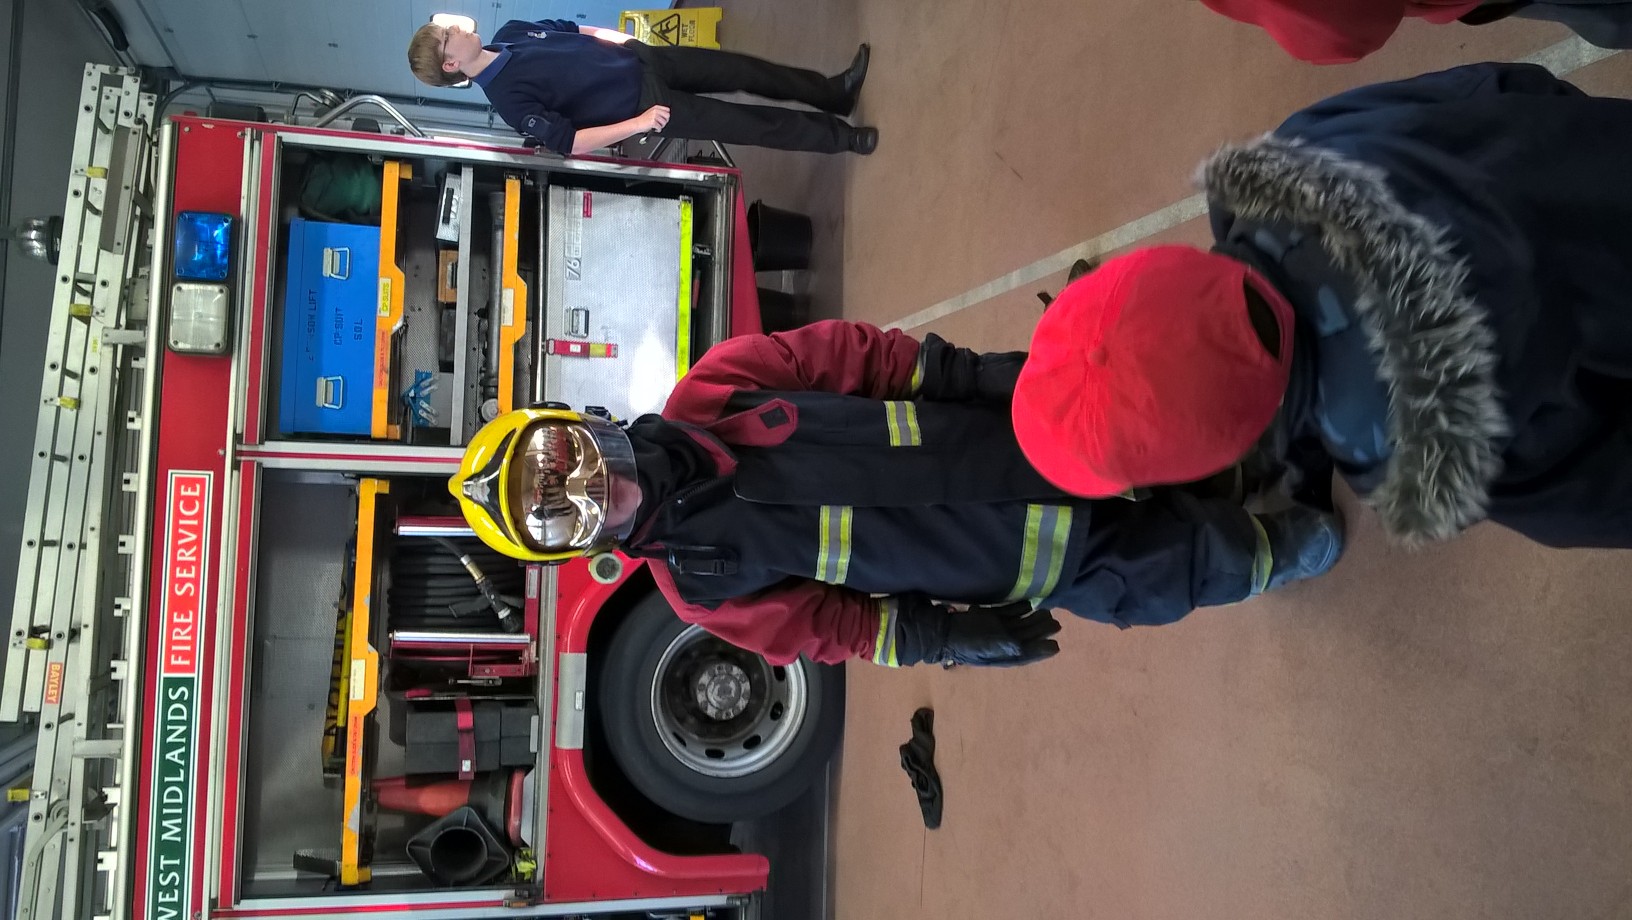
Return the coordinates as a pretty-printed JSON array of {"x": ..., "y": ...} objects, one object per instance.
[
  {"x": 672, "y": 458},
  {"x": 1435, "y": 352},
  {"x": 493, "y": 67}
]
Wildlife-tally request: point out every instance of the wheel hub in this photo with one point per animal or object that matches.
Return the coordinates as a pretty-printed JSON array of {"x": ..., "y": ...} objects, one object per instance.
[
  {"x": 724, "y": 712},
  {"x": 723, "y": 690}
]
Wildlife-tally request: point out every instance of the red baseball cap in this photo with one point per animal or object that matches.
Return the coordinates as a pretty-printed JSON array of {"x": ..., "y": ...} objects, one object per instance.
[{"x": 1148, "y": 371}]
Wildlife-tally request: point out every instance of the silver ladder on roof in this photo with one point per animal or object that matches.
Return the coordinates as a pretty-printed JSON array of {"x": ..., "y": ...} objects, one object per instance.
[{"x": 81, "y": 572}]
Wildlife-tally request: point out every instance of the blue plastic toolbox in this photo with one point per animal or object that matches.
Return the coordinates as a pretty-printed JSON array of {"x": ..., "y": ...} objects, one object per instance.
[{"x": 328, "y": 328}]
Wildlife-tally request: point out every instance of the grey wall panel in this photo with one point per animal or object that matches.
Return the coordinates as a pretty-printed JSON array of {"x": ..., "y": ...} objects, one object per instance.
[{"x": 345, "y": 44}]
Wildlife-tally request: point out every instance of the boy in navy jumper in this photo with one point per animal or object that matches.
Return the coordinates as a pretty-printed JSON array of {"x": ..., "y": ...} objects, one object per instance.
[{"x": 576, "y": 89}]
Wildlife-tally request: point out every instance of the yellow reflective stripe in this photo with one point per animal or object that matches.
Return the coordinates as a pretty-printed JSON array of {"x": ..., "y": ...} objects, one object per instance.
[
  {"x": 884, "y": 652},
  {"x": 881, "y": 646},
  {"x": 1054, "y": 562},
  {"x": 1263, "y": 561},
  {"x": 902, "y": 418},
  {"x": 1028, "y": 551},
  {"x": 833, "y": 546},
  {"x": 917, "y": 381},
  {"x": 1042, "y": 554},
  {"x": 823, "y": 541},
  {"x": 846, "y": 514}
]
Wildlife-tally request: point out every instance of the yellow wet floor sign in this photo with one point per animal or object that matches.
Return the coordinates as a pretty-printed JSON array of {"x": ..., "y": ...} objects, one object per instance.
[{"x": 692, "y": 28}]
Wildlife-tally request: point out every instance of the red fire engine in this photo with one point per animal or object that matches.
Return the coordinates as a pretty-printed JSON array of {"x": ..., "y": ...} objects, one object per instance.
[{"x": 273, "y": 674}]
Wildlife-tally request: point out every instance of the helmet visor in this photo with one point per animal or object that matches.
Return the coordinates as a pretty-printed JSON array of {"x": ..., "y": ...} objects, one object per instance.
[{"x": 570, "y": 486}]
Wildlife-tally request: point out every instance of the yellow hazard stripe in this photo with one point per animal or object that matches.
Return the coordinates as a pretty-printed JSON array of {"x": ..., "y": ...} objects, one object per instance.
[
  {"x": 1042, "y": 552},
  {"x": 682, "y": 317}
]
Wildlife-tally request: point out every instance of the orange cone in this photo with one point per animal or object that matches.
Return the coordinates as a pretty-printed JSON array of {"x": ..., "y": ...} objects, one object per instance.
[
  {"x": 497, "y": 796},
  {"x": 434, "y": 799}
]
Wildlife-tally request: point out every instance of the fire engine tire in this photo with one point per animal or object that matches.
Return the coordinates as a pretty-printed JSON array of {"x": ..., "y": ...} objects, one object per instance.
[{"x": 708, "y": 731}]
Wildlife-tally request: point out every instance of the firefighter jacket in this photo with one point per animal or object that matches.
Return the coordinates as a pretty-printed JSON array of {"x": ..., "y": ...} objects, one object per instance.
[{"x": 859, "y": 472}]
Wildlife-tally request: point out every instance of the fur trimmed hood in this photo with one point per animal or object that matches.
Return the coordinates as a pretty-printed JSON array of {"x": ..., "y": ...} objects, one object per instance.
[{"x": 1435, "y": 351}]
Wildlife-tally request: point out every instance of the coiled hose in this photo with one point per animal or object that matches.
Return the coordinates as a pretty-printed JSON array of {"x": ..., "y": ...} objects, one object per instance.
[{"x": 441, "y": 583}]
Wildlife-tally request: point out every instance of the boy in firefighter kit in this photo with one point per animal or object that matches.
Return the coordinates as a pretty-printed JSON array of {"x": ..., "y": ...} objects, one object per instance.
[{"x": 838, "y": 491}]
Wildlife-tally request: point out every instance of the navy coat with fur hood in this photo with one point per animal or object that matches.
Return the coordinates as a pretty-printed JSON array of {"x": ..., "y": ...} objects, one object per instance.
[{"x": 1458, "y": 250}]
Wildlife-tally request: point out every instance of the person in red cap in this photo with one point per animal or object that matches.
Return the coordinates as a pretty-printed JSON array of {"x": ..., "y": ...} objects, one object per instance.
[
  {"x": 1344, "y": 31},
  {"x": 1422, "y": 286}
]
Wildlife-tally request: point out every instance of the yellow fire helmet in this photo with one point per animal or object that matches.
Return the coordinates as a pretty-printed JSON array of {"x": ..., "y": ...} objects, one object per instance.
[{"x": 548, "y": 485}]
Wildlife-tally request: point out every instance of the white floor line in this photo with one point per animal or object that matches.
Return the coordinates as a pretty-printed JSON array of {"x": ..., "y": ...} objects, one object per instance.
[{"x": 1563, "y": 58}]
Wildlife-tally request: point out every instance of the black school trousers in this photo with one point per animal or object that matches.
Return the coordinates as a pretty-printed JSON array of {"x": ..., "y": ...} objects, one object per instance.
[{"x": 678, "y": 76}]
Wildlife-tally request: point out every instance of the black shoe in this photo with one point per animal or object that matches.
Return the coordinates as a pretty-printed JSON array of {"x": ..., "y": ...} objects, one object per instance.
[
  {"x": 863, "y": 140},
  {"x": 850, "y": 81},
  {"x": 1078, "y": 269},
  {"x": 1302, "y": 542}
]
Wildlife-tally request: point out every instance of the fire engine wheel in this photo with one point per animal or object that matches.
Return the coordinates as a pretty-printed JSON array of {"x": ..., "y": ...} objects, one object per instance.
[{"x": 708, "y": 731}]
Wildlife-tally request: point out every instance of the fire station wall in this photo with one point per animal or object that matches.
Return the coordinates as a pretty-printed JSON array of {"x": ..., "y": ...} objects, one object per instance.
[{"x": 45, "y": 45}]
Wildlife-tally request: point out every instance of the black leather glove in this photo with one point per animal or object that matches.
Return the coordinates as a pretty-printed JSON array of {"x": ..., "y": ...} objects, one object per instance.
[{"x": 1000, "y": 635}]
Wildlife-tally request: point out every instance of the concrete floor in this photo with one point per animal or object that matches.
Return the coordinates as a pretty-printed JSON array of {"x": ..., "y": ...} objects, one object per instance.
[{"x": 1444, "y": 734}]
